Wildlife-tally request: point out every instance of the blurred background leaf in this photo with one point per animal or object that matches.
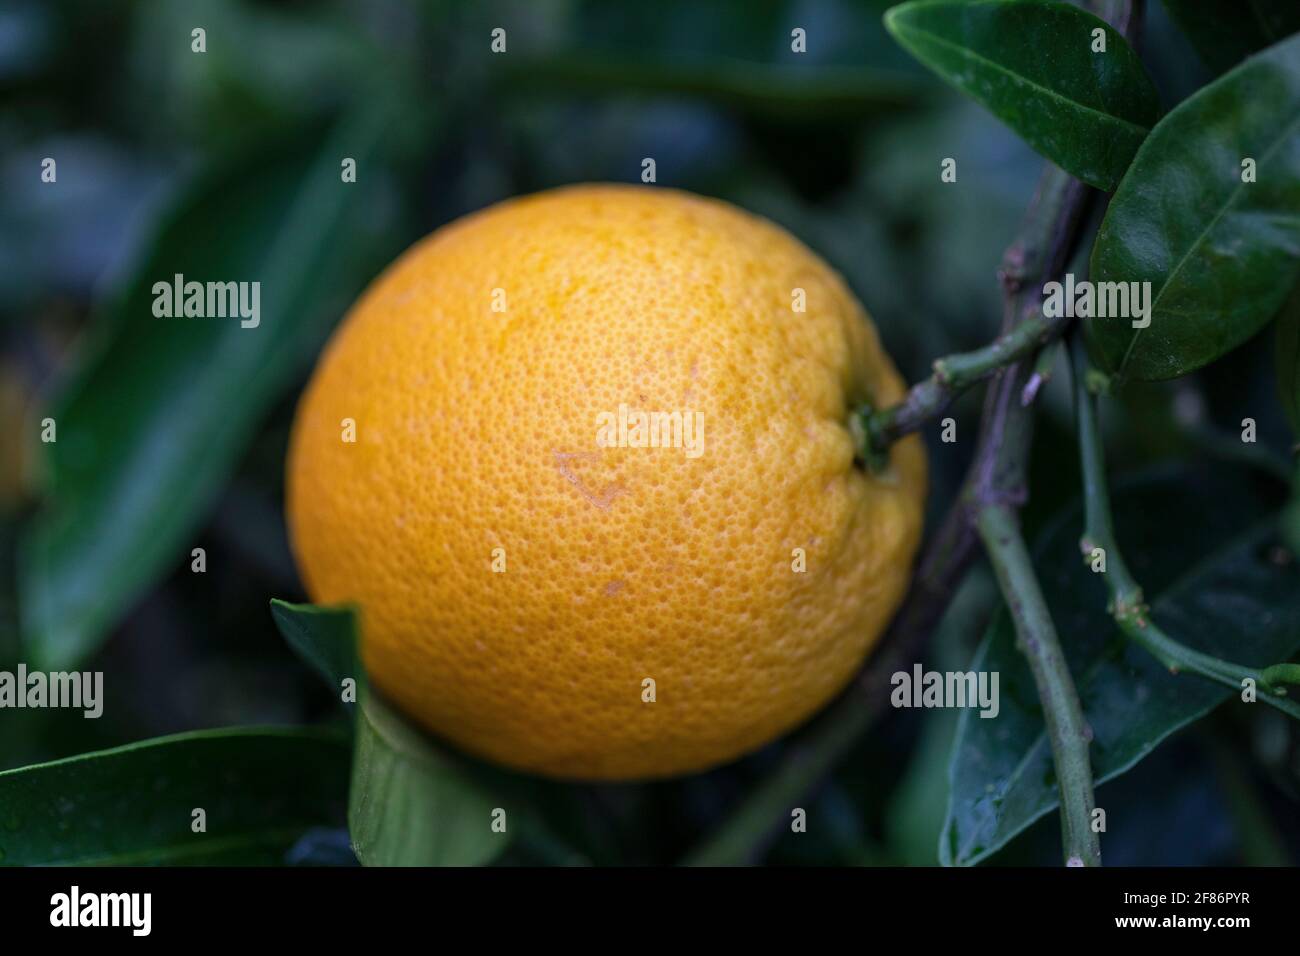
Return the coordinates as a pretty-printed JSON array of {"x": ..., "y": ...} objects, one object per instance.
[
  {"x": 781, "y": 93},
  {"x": 159, "y": 410},
  {"x": 260, "y": 790},
  {"x": 265, "y": 67},
  {"x": 919, "y": 805},
  {"x": 1288, "y": 359},
  {"x": 1225, "y": 32}
]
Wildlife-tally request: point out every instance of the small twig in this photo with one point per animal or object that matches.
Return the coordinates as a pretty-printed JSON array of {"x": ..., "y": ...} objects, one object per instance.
[
  {"x": 1067, "y": 730},
  {"x": 1127, "y": 603},
  {"x": 1051, "y": 231},
  {"x": 1044, "y": 365},
  {"x": 952, "y": 376},
  {"x": 1049, "y": 236}
]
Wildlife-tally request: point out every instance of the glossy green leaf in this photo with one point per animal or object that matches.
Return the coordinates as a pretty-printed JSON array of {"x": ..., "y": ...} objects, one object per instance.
[
  {"x": 1225, "y": 32},
  {"x": 324, "y": 637},
  {"x": 1211, "y": 584},
  {"x": 157, "y": 414},
  {"x": 413, "y": 803},
  {"x": 1031, "y": 63},
  {"x": 260, "y": 788},
  {"x": 1288, "y": 359},
  {"x": 1221, "y": 254}
]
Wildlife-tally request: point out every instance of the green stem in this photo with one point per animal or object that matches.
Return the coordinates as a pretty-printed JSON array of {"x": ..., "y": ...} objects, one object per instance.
[
  {"x": 1127, "y": 603},
  {"x": 1067, "y": 730},
  {"x": 1281, "y": 674},
  {"x": 928, "y": 399},
  {"x": 997, "y": 488}
]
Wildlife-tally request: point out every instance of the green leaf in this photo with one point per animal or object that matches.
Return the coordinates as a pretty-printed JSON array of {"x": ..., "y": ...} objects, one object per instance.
[
  {"x": 1221, "y": 254},
  {"x": 414, "y": 804},
  {"x": 723, "y": 55},
  {"x": 260, "y": 788},
  {"x": 263, "y": 66},
  {"x": 1288, "y": 359},
  {"x": 918, "y": 808},
  {"x": 324, "y": 637},
  {"x": 839, "y": 93},
  {"x": 1225, "y": 32},
  {"x": 1210, "y": 586},
  {"x": 1030, "y": 63},
  {"x": 160, "y": 409}
]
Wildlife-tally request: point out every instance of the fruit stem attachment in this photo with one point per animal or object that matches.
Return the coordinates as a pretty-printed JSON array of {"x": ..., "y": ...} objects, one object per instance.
[
  {"x": 953, "y": 375},
  {"x": 1127, "y": 605}
]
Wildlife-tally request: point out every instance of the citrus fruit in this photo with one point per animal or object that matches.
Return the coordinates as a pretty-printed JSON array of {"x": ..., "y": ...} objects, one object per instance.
[{"x": 555, "y": 573}]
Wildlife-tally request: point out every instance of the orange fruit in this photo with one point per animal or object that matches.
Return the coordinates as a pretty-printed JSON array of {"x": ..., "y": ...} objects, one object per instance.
[{"x": 539, "y": 581}]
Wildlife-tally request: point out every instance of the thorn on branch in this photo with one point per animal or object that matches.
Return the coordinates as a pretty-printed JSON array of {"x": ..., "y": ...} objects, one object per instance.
[{"x": 1030, "y": 391}]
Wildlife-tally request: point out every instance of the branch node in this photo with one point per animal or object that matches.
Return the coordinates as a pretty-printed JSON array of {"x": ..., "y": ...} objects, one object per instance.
[
  {"x": 1097, "y": 382},
  {"x": 941, "y": 373}
]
